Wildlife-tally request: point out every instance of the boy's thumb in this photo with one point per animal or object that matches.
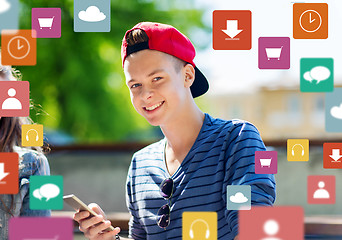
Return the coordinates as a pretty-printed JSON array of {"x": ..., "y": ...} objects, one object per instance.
[{"x": 96, "y": 208}]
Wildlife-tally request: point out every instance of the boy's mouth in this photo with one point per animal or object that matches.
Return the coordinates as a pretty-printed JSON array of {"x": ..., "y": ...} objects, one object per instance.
[{"x": 153, "y": 107}]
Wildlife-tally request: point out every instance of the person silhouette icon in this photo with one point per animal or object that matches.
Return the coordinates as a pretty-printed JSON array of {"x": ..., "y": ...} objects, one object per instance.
[
  {"x": 11, "y": 102},
  {"x": 271, "y": 228},
  {"x": 321, "y": 193}
]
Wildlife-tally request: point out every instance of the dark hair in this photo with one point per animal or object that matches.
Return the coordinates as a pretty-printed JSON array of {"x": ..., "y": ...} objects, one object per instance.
[
  {"x": 10, "y": 127},
  {"x": 139, "y": 36}
]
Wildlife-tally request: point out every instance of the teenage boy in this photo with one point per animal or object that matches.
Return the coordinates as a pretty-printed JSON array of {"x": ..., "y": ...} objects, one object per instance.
[{"x": 190, "y": 169}]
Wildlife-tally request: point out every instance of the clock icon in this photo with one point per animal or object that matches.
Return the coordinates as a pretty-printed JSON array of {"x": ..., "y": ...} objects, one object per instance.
[
  {"x": 310, "y": 21},
  {"x": 18, "y": 47}
]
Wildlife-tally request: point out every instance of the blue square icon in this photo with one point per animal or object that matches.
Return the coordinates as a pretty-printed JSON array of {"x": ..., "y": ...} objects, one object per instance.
[
  {"x": 92, "y": 15},
  {"x": 9, "y": 14},
  {"x": 238, "y": 197},
  {"x": 333, "y": 111}
]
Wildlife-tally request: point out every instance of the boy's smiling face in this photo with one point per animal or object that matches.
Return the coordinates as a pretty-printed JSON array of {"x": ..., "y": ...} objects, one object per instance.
[{"x": 158, "y": 88}]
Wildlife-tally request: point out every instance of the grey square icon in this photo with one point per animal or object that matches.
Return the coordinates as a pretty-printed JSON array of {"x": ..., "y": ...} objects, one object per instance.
[
  {"x": 9, "y": 14},
  {"x": 238, "y": 197},
  {"x": 92, "y": 15},
  {"x": 333, "y": 111}
]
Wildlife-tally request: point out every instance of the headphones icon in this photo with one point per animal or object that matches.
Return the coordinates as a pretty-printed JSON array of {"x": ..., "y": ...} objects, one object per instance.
[
  {"x": 293, "y": 153},
  {"x": 27, "y": 137},
  {"x": 191, "y": 232}
]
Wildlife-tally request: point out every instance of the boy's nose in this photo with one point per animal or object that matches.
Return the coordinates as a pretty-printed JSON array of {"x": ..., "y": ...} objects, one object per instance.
[{"x": 147, "y": 93}]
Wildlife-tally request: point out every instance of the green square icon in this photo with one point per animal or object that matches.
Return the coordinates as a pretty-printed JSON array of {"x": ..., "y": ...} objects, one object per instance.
[
  {"x": 46, "y": 192},
  {"x": 316, "y": 74}
]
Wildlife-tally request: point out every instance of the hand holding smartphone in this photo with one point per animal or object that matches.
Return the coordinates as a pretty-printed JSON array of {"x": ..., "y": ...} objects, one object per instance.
[{"x": 78, "y": 205}]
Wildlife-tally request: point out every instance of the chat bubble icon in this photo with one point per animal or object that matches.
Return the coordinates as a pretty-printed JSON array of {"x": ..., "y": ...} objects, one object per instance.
[
  {"x": 307, "y": 76},
  {"x": 37, "y": 194},
  {"x": 319, "y": 73},
  {"x": 49, "y": 191}
]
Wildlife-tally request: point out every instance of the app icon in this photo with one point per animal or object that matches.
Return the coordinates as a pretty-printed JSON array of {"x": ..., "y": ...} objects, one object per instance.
[
  {"x": 298, "y": 150},
  {"x": 316, "y": 74},
  {"x": 199, "y": 225},
  {"x": 266, "y": 162},
  {"x": 232, "y": 30},
  {"x": 32, "y": 135},
  {"x": 40, "y": 228},
  {"x": 274, "y": 53},
  {"x": 332, "y": 155},
  {"x": 238, "y": 197},
  {"x": 9, "y": 14},
  {"x": 272, "y": 223},
  {"x": 46, "y": 22},
  {"x": 310, "y": 20},
  {"x": 9, "y": 173},
  {"x": 321, "y": 189},
  {"x": 14, "y": 99},
  {"x": 46, "y": 192},
  {"x": 333, "y": 111},
  {"x": 92, "y": 16},
  {"x": 18, "y": 47}
]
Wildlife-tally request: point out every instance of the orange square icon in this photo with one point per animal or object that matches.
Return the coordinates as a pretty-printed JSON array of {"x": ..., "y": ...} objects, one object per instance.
[
  {"x": 19, "y": 47},
  {"x": 310, "y": 20},
  {"x": 232, "y": 30},
  {"x": 9, "y": 173},
  {"x": 332, "y": 155}
]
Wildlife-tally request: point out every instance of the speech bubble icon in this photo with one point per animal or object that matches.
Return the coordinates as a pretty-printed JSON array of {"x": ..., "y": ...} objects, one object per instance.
[
  {"x": 49, "y": 191},
  {"x": 36, "y": 194},
  {"x": 320, "y": 73},
  {"x": 307, "y": 76}
]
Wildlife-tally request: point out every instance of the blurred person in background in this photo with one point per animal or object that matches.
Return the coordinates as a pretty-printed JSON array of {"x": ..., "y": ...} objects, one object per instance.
[{"x": 32, "y": 161}]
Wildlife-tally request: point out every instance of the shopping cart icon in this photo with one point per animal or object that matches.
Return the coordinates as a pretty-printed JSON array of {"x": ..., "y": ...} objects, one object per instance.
[
  {"x": 45, "y": 22},
  {"x": 265, "y": 162},
  {"x": 273, "y": 52}
]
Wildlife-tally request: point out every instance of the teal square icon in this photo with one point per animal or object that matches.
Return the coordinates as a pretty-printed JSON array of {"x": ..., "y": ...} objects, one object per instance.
[
  {"x": 239, "y": 197},
  {"x": 46, "y": 192},
  {"x": 91, "y": 15},
  {"x": 316, "y": 74}
]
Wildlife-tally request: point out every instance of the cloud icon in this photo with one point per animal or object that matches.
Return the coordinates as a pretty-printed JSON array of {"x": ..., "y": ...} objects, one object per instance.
[
  {"x": 238, "y": 198},
  {"x": 4, "y": 6},
  {"x": 318, "y": 73},
  {"x": 336, "y": 111},
  {"x": 92, "y": 14}
]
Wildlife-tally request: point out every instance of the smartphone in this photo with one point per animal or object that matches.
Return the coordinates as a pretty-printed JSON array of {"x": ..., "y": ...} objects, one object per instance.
[{"x": 77, "y": 204}]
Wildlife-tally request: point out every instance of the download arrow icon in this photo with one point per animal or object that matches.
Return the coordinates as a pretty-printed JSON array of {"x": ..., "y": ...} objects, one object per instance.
[
  {"x": 232, "y": 28},
  {"x": 336, "y": 155},
  {"x": 2, "y": 172}
]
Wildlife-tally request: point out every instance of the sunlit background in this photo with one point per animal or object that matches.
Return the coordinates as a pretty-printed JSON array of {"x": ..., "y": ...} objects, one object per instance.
[{"x": 79, "y": 93}]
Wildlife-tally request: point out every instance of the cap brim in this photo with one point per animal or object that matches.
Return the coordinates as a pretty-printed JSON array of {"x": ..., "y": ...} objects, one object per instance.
[{"x": 200, "y": 84}]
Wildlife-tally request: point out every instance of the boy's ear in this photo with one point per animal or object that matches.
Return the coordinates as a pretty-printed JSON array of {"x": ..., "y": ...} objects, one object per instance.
[{"x": 189, "y": 75}]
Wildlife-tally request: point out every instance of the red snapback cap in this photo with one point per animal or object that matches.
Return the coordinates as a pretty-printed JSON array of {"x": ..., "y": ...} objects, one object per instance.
[{"x": 167, "y": 39}]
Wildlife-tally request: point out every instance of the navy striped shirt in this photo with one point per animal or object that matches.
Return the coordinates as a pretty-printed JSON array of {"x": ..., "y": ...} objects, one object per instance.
[{"x": 223, "y": 154}]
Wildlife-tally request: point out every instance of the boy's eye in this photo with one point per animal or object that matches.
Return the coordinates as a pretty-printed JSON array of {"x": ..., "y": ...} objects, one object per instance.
[
  {"x": 157, "y": 78},
  {"x": 135, "y": 85}
]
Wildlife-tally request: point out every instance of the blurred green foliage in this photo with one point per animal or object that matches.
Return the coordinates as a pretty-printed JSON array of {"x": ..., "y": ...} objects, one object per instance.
[{"x": 78, "y": 85}]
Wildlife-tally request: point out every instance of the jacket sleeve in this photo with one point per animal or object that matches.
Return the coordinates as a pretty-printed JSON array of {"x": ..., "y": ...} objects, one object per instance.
[{"x": 38, "y": 165}]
